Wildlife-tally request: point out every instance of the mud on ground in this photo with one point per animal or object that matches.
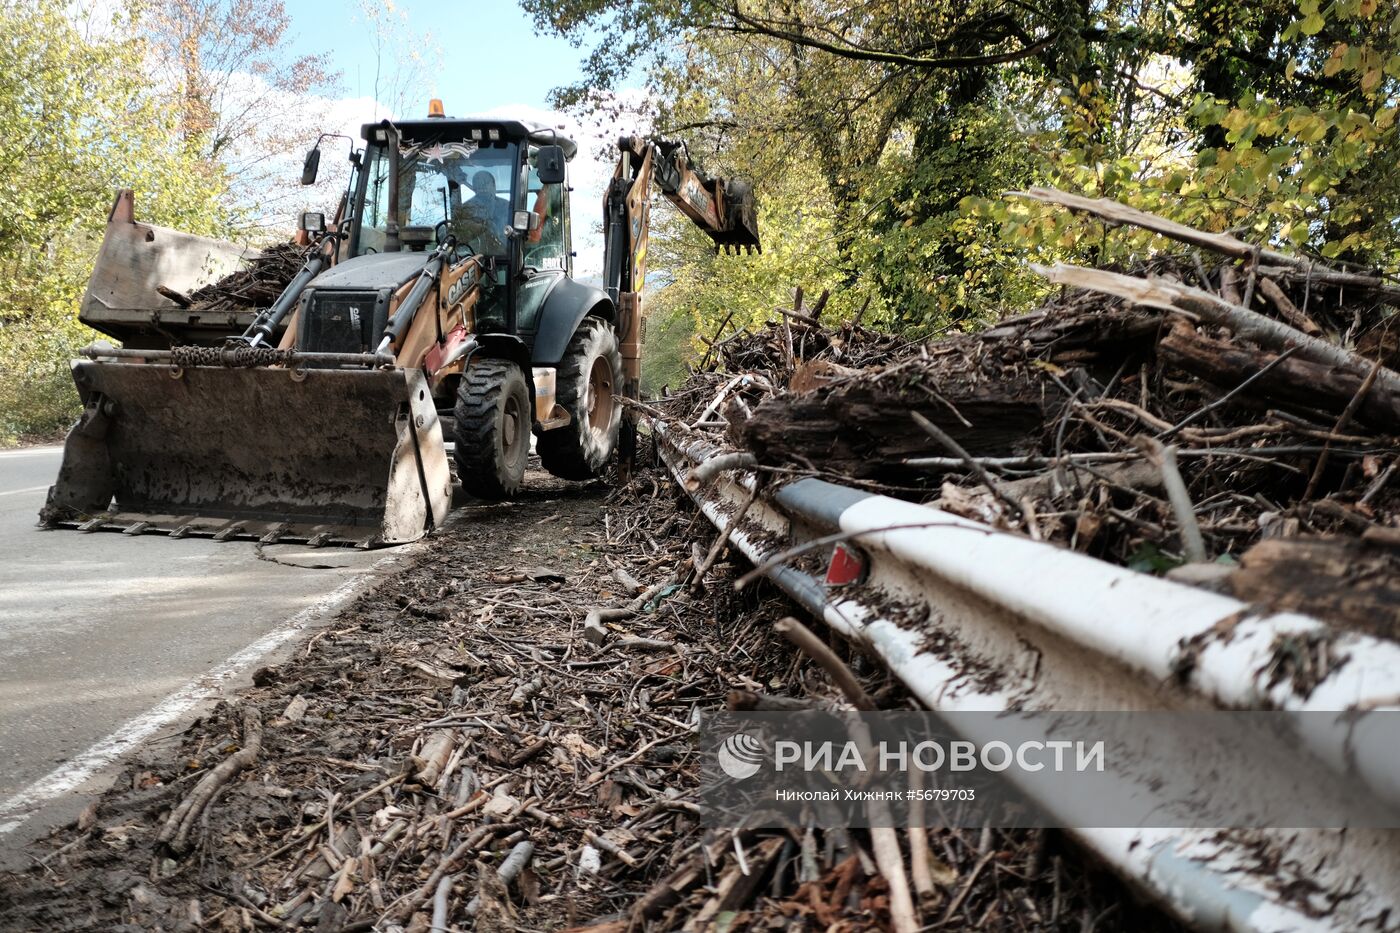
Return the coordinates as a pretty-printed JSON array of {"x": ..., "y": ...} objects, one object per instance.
[{"x": 457, "y": 720}]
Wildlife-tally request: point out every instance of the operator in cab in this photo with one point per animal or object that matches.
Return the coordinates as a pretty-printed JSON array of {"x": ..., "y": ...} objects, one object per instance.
[{"x": 484, "y": 217}]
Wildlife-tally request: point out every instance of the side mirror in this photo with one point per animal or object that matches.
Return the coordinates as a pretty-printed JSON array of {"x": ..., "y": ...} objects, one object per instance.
[
  {"x": 549, "y": 165},
  {"x": 312, "y": 222},
  {"x": 309, "y": 167}
]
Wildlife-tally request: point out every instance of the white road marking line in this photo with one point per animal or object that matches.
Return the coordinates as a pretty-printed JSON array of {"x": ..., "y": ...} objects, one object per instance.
[
  {"x": 71, "y": 774},
  {"x": 29, "y": 452},
  {"x": 15, "y": 492}
]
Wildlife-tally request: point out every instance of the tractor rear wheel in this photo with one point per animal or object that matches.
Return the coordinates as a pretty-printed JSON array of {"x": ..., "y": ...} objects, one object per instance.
[
  {"x": 589, "y": 387},
  {"x": 492, "y": 429}
]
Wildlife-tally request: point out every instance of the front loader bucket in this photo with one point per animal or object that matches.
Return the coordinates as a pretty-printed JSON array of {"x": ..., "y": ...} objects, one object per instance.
[{"x": 327, "y": 456}]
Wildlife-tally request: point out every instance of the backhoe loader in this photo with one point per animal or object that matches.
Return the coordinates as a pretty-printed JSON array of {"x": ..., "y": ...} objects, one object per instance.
[{"x": 439, "y": 299}]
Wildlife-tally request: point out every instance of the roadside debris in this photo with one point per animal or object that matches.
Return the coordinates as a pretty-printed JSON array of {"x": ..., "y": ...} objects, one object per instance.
[
  {"x": 1184, "y": 411},
  {"x": 400, "y": 784},
  {"x": 473, "y": 744}
]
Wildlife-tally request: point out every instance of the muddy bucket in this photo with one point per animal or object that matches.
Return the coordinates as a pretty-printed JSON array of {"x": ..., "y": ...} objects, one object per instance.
[{"x": 326, "y": 456}]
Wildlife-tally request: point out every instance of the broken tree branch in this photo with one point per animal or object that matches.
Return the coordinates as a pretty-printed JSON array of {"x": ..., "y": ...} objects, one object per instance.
[
  {"x": 1164, "y": 458},
  {"x": 174, "y": 835},
  {"x": 1173, "y": 296},
  {"x": 713, "y": 467},
  {"x": 1117, "y": 214},
  {"x": 1343, "y": 421},
  {"x": 818, "y": 650},
  {"x": 510, "y": 869}
]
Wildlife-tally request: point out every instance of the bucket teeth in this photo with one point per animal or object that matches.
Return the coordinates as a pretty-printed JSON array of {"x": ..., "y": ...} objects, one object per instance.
[
  {"x": 354, "y": 457},
  {"x": 226, "y": 533},
  {"x": 225, "y": 529},
  {"x": 275, "y": 535}
]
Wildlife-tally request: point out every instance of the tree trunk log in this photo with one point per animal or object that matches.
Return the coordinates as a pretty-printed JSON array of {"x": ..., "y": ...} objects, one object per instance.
[
  {"x": 1293, "y": 382},
  {"x": 1347, "y": 583},
  {"x": 1266, "y": 332}
]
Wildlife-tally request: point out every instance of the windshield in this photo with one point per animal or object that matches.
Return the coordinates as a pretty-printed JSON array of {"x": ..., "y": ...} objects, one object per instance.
[{"x": 464, "y": 183}]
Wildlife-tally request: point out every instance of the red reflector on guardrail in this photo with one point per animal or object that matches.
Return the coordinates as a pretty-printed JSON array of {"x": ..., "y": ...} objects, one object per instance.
[{"x": 848, "y": 565}]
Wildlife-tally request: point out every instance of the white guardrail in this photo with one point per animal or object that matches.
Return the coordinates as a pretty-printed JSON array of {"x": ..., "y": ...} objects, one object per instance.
[{"x": 971, "y": 618}]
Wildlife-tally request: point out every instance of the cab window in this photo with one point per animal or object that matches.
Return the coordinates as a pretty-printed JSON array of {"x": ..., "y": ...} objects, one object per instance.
[{"x": 546, "y": 247}]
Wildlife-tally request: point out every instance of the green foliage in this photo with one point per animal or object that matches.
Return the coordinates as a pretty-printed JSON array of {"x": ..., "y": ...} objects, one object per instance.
[
  {"x": 81, "y": 120},
  {"x": 882, "y": 136},
  {"x": 926, "y": 257},
  {"x": 670, "y": 347}
]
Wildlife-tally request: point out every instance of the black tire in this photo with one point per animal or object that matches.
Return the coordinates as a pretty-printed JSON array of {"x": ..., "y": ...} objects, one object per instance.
[
  {"x": 588, "y": 384},
  {"x": 492, "y": 429}
]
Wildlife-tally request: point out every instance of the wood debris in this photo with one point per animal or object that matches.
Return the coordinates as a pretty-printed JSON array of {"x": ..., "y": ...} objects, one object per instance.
[
  {"x": 257, "y": 285},
  {"x": 1142, "y": 416},
  {"x": 390, "y": 800}
]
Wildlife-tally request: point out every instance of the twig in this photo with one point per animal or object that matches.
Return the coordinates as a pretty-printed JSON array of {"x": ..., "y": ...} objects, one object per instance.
[
  {"x": 712, "y": 343},
  {"x": 701, "y": 475},
  {"x": 855, "y": 321},
  {"x": 593, "y": 628},
  {"x": 1343, "y": 420},
  {"x": 1270, "y": 290},
  {"x": 410, "y": 902},
  {"x": 599, "y": 775},
  {"x": 319, "y": 825},
  {"x": 627, "y": 580},
  {"x": 174, "y": 834},
  {"x": 444, "y": 888},
  {"x": 919, "y": 854},
  {"x": 1379, "y": 482},
  {"x": 723, "y": 538},
  {"x": 510, "y": 869},
  {"x": 798, "y": 550},
  {"x": 818, "y": 650},
  {"x": 883, "y": 839},
  {"x": 1164, "y": 458},
  {"x": 612, "y": 848},
  {"x": 885, "y": 842},
  {"x": 956, "y": 449},
  {"x": 966, "y": 888},
  {"x": 1201, "y": 412}
]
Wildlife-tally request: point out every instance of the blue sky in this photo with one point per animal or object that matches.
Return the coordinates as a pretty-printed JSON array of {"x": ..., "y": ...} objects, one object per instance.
[
  {"x": 492, "y": 63},
  {"x": 491, "y": 56}
]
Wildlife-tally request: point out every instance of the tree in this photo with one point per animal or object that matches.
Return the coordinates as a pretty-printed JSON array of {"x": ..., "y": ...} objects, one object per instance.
[
  {"x": 81, "y": 119},
  {"x": 245, "y": 105},
  {"x": 1276, "y": 118}
]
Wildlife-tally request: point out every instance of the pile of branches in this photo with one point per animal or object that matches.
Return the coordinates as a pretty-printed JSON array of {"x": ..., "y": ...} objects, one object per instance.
[
  {"x": 257, "y": 285},
  {"x": 1215, "y": 404}
]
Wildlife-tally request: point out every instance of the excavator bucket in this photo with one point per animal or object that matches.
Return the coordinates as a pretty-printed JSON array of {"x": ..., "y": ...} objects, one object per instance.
[
  {"x": 740, "y": 219},
  {"x": 325, "y": 456}
]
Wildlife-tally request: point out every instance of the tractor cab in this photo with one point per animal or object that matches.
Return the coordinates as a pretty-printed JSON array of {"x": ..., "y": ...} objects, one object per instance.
[{"x": 496, "y": 186}]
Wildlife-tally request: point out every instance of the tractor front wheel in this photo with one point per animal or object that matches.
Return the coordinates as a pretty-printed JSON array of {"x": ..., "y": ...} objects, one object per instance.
[
  {"x": 492, "y": 428},
  {"x": 589, "y": 387}
]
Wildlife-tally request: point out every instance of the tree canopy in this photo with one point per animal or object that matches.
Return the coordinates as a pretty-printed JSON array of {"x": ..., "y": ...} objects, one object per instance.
[
  {"x": 881, "y": 136},
  {"x": 89, "y": 107}
]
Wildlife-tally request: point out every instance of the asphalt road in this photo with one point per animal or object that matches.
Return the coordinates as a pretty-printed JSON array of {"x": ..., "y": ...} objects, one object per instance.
[{"x": 108, "y": 640}]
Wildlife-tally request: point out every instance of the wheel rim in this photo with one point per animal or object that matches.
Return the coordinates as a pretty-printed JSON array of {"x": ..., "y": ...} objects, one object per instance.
[
  {"x": 600, "y": 395},
  {"x": 510, "y": 426}
]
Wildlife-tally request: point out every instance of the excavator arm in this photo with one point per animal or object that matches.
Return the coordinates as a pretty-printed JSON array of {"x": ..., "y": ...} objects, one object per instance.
[{"x": 723, "y": 208}]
